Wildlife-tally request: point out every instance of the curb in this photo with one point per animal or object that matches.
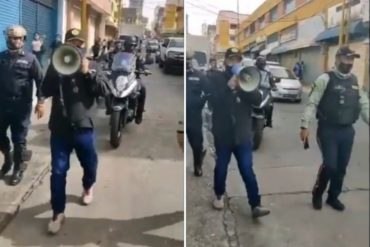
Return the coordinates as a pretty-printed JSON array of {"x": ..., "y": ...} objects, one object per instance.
[{"x": 11, "y": 210}]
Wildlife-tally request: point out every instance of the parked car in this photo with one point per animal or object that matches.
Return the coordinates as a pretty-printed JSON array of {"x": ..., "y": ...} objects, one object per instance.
[
  {"x": 152, "y": 46},
  {"x": 288, "y": 85},
  {"x": 172, "y": 54}
]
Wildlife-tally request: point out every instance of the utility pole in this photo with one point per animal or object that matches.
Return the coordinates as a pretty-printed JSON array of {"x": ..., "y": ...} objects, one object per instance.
[
  {"x": 345, "y": 23},
  {"x": 238, "y": 27},
  {"x": 84, "y": 18}
]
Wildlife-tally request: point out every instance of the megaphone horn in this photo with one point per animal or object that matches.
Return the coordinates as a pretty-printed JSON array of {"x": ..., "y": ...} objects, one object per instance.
[
  {"x": 66, "y": 60},
  {"x": 249, "y": 78}
]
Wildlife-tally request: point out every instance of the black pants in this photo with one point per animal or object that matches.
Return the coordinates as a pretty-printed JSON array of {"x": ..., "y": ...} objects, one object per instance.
[
  {"x": 269, "y": 110},
  {"x": 335, "y": 143},
  {"x": 195, "y": 138},
  {"x": 19, "y": 122}
]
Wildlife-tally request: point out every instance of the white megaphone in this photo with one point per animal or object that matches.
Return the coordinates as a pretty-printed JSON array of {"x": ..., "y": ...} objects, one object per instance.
[
  {"x": 66, "y": 60},
  {"x": 249, "y": 77}
]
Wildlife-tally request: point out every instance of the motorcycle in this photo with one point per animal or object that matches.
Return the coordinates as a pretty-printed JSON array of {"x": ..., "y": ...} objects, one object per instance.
[
  {"x": 125, "y": 91},
  {"x": 259, "y": 119}
]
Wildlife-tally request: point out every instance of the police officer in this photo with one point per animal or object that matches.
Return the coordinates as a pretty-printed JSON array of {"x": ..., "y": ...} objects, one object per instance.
[
  {"x": 195, "y": 100},
  {"x": 130, "y": 45},
  {"x": 337, "y": 101},
  {"x": 18, "y": 70},
  {"x": 71, "y": 129},
  {"x": 231, "y": 125},
  {"x": 267, "y": 84},
  {"x": 108, "y": 57}
]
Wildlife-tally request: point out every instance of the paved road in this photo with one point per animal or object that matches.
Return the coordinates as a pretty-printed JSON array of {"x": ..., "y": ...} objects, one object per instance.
[
  {"x": 286, "y": 174},
  {"x": 139, "y": 192}
]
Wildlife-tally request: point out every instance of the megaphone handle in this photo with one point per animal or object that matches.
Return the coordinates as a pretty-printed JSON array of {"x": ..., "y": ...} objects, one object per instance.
[{"x": 62, "y": 97}]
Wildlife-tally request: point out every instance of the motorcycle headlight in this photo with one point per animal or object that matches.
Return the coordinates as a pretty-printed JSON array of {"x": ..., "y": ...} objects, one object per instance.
[
  {"x": 121, "y": 83},
  {"x": 171, "y": 54}
]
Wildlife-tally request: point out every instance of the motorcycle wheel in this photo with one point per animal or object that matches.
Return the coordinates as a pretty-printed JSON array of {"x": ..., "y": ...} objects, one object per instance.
[
  {"x": 115, "y": 129},
  {"x": 259, "y": 125}
]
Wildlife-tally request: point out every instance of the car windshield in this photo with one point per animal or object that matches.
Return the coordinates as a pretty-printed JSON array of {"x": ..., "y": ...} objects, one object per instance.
[
  {"x": 153, "y": 43},
  {"x": 179, "y": 43},
  {"x": 281, "y": 73},
  {"x": 201, "y": 58}
]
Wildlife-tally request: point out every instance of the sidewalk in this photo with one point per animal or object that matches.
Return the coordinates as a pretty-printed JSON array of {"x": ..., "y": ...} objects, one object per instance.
[{"x": 13, "y": 196}]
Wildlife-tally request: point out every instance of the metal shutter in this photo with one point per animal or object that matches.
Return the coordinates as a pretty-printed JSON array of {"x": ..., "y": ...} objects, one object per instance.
[
  {"x": 46, "y": 24},
  {"x": 29, "y": 20},
  {"x": 9, "y": 12}
]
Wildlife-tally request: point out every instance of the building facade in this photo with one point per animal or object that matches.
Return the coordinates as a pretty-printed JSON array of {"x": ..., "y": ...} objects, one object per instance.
[{"x": 173, "y": 17}]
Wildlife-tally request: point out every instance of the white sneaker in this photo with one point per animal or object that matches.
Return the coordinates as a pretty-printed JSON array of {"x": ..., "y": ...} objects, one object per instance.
[
  {"x": 218, "y": 203},
  {"x": 87, "y": 196},
  {"x": 55, "y": 225}
]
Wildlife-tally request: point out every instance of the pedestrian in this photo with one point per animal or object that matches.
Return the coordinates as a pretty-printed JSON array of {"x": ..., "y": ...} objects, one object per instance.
[
  {"x": 38, "y": 47},
  {"x": 71, "y": 128},
  {"x": 337, "y": 102},
  {"x": 104, "y": 47},
  {"x": 267, "y": 84},
  {"x": 96, "y": 48},
  {"x": 213, "y": 65},
  {"x": 232, "y": 126},
  {"x": 195, "y": 99},
  {"x": 18, "y": 70}
]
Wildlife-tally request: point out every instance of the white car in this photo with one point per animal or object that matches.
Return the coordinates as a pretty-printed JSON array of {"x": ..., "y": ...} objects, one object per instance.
[
  {"x": 288, "y": 86},
  {"x": 172, "y": 53}
]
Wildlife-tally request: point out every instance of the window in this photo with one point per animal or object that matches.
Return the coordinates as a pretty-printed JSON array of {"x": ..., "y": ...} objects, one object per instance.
[
  {"x": 233, "y": 26},
  {"x": 232, "y": 38},
  {"x": 353, "y": 3},
  {"x": 252, "y": 28},
  {"x": 274, "y": 14},
  {"x": 261, "y": 22},
  {"x": 246, "y": 32},
  {"x": 281, "y": 72},
  {"x": 289, "y": 6},
  {"x": 272, "y": 38}
]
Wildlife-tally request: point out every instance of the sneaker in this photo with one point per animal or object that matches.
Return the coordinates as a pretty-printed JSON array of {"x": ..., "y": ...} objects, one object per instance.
[
  {"x": 336, "y": 204},
  {"x": 87, "y": 196},
  {"x": 218, "y": 203},
  {"x": 260, "y": 211},
  {"x": 317, "y": 202},
  {"x": 56, "y": 223}
]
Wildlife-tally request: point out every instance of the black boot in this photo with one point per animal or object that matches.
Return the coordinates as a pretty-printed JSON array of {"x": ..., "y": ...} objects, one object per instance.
[
  {"x": 198, "y": 162},
  {"x": 336, "y": 204},
  {"x": 319, "y": 188},
  {"x": 17, "y": 177},
  {"x": 139, "y": 117},
  {"x": 8, "y": 163}
]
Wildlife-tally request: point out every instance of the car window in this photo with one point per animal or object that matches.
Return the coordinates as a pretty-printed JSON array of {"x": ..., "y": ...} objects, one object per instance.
[
  {"x": 201, "y": 58},
  {"x": 281, "y": 73},
  {"x": 179, "y": 43}
]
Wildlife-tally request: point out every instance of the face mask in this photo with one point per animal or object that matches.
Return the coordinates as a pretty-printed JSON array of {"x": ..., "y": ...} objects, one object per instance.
[{"x": 345, "y": 68}]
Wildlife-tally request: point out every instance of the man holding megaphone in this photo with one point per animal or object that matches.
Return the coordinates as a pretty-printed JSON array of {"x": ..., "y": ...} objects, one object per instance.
[
  {"x": 73, "y": 89},
  {"x": 232, "y": 94}
]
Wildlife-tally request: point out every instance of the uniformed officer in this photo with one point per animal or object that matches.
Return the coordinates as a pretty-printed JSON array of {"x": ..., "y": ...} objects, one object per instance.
[
  {"x": 267, "y": 84},
  {"x": 195, "y": 100},
  {"x": 108, "y": 57},
  {"x": 18, "y": 70},
  {"x": 337, "y": 101},
  {"x": 71, "y": 129}
]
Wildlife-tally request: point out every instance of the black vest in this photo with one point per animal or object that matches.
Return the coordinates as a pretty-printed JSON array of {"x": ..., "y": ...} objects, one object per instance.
[{"x": 340, "y": 102}]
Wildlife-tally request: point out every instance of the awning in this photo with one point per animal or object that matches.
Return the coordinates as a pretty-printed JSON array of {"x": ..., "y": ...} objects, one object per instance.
[
  {"x": 268, "y": 50},
  {"x": 258, "y": 47},
  {"x": 299, "y": 44},
  {"x": 356, "y": 28}
]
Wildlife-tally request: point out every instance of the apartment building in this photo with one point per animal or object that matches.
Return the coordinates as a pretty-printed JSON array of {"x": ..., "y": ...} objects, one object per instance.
[{"x": 173, "y": 17}]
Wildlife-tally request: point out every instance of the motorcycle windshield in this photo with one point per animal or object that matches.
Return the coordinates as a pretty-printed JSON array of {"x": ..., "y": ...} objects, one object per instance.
[{"x": 124, "y": 61}]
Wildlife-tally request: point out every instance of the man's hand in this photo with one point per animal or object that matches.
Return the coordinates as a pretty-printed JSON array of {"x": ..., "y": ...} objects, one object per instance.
[
  {"x": 233, "y": 83},
  {"x": 304, "y": 134},
  {"x": 85, "y": 66},
  {"x": 39, "y": 110}
]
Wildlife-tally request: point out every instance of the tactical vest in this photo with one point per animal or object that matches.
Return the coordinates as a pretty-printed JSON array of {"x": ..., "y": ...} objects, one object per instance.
[
  {"x": 265, "y": 79},
  {"x": 339, "y": 104}
]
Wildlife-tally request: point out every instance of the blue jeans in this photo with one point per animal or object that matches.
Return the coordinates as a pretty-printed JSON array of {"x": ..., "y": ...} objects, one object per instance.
[
  {"x": 243, "y": 155},
  {"x": 83, "y": 142}
]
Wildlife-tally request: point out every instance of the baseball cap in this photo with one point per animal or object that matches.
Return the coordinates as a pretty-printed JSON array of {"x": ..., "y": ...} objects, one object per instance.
[
  {"x": 346, "y": 51},
  {"x": 233, "y": 52},
  {"x": 74, "y": 33}
]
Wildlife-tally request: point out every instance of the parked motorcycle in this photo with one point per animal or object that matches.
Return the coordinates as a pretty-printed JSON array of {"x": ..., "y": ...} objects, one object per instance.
[{"x": 125, "y": 91}]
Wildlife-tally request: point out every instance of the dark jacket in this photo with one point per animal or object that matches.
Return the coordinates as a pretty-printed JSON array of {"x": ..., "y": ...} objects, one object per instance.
[
  {"x": 79, "y": 93},
  {"x": 195, "y": 98},
  {"x": 231, "y": 111},
  {"x": 17, "y": 74}
]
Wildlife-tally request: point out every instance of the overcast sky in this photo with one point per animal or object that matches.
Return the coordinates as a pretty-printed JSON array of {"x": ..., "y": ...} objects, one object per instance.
[{"x": 203, "y": 11}]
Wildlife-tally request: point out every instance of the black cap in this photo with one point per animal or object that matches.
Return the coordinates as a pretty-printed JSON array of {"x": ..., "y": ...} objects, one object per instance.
[
  {"x": 233, "y": 52},
  {"x": 345, "y": 51},
  {"x": 74, "y": 33}
]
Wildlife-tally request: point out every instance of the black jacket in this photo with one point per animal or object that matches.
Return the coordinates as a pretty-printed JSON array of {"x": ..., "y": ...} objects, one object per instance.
[
  {"x": 195, "y": 98},
  {"x": 79, "y": 94},
  {"x": 231, "y": 111},
  {"x": 17, "y": 73}
]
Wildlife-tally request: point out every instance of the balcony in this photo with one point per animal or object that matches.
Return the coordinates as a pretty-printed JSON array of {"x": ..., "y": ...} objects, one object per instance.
[{"x": 102, "y": 6}]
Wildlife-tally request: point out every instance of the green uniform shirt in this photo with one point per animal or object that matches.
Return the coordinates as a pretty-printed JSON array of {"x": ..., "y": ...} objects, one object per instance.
[{"x": 316, "y": 94}]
